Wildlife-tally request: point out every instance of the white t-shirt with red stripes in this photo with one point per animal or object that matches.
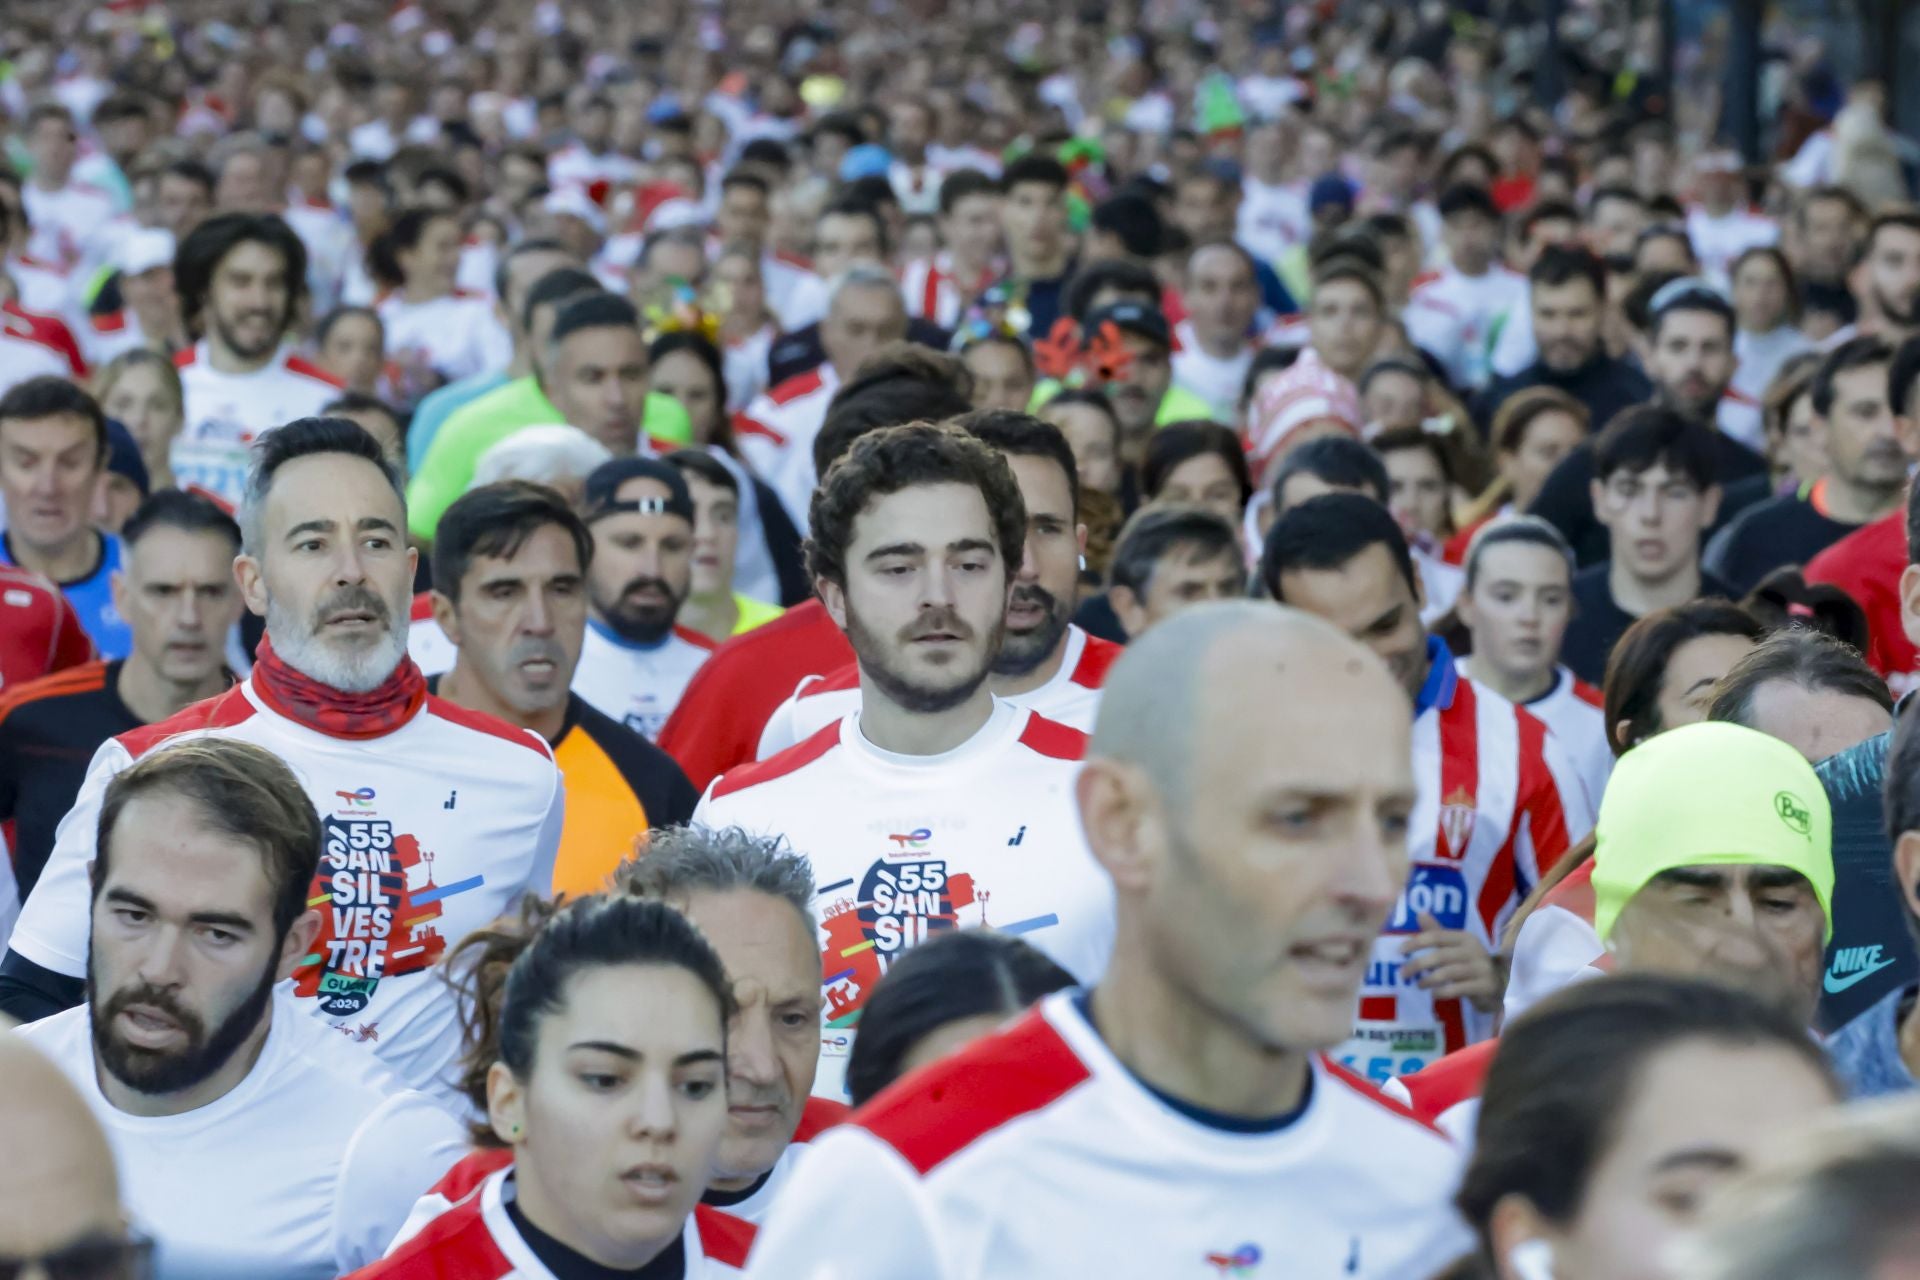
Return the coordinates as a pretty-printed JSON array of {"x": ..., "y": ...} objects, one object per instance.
[
  {"x": 226, "y": 412},
  {"x": 476, "y": 1239},
  {"x": 933, "y": 290},
  {"x": 28, "y": 349},
  {"x": 1498, "y": 801},
  {"x": 1071, "y": 697},
  {"x": 776, "y": 434},
  {"x": 986, "y": 834},
  {"x": 1456, "y": 316},
  {"x": 1036, "y": 1152},
  {"x": 1576, "y": 713}
]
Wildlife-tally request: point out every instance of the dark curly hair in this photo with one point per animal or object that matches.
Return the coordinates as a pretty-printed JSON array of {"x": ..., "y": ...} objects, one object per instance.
[{"x": 905, "y": 457}]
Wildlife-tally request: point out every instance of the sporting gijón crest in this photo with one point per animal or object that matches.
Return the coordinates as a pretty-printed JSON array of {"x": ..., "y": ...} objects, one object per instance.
[
  {"x": 379, "y": 909},
  {"x": 1457, "y": 810}
]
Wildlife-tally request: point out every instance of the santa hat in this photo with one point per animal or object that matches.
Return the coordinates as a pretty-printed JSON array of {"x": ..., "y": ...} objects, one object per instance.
[{"x": 1305, "y": 392}]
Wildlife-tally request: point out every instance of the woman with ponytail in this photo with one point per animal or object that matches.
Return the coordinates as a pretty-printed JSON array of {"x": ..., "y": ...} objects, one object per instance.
[{"x": 596, "y": 1047}]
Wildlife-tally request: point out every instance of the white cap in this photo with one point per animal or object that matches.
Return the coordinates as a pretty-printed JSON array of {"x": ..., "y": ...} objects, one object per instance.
[
  {"x": 676, "y": 212},
  {"x": 143, "y": 249}
]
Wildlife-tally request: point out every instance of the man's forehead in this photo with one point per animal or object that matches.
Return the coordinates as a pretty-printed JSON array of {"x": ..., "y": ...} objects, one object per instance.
[
  {"x": 332, "y": 486},
  {"x": 924, "y": 513}
]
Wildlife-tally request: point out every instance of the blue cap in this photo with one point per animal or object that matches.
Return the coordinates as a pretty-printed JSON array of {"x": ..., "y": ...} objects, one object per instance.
[
  {"x": 123, "y": 456},
  {"x": 868, "y": 160},
  {"x": 1330, "y": 189}
]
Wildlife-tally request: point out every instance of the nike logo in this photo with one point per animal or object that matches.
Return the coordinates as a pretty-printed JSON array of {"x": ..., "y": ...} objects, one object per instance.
[{"x": 1835, "y": 985}]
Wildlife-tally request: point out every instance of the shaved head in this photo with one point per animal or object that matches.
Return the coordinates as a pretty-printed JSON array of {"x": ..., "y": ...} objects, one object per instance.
[
  {"x": 1175, "y": 678},
  {"x": 68, "y": 1190}
]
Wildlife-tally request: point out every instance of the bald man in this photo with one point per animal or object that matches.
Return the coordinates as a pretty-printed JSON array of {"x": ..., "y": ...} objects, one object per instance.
[
  {"x": 63, "y": 1203},
  {"x": 1183, "y": 1113}
]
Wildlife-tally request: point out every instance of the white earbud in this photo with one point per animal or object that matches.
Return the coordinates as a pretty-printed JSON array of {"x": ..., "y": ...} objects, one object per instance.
[{"x": 1531, "y": 1259}]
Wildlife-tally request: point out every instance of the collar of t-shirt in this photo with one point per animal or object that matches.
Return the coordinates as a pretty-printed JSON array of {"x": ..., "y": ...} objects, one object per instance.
[
  {"x": 1220, "y": 1120},
  {"x": 614, "y": 638},
  {"x": 1442, "y": 678},
  {"x": 568, "y": 1264},
  {"x": 997, "y": 731}
]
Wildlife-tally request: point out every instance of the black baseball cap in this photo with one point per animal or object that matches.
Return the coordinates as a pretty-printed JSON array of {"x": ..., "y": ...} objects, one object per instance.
[
  {"x": 604, "y": 481},
  {"x": 1130, "y": 317}
]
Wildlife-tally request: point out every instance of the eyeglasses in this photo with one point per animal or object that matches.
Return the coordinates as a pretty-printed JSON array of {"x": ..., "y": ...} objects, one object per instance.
[{"x": 89, "y": 1259}]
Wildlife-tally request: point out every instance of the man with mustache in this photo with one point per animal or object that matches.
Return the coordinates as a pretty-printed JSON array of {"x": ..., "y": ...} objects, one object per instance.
[
  {"x": 635, "y": 661},
  {"x": 1869, "y": 450},
  {"x": 933, "y": 804},
  {"x": 1046, "y": 663},
  {"x": 435, "y": 819},
  {"x": 510, "y": 561},
  {"x": 242, "y": 278},
  {"x": 252, "y": 1139}
]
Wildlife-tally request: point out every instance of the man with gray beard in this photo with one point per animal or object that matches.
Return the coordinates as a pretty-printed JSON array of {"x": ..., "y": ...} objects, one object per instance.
[{"x": 436, "y": 819}]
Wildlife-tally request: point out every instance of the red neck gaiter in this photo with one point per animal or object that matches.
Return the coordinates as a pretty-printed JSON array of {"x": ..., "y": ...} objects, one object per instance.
[{"x": 327, "y": 710}]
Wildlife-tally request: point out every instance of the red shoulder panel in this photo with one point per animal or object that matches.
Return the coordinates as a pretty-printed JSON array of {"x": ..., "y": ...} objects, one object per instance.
[
  {"x": 1370, "y": 1094},
  {"x": 847, "y": 677},
  {"x": 1051, "y": 738},
  {"x": 723, "y": 1237},
  {"x": 797, "y": 756},
  {"x": 1449, "y": 1082},
  {"x": 1091, "y": 671},
  {"x": 936, "y": 1113},
  {"x": 481, "y": 722},
  {"x": 801, "y": 384},
  {"x": 307, "y": 368},
  {"x": 222, "y": 711},
  {"x": 818, "y": 1116}
]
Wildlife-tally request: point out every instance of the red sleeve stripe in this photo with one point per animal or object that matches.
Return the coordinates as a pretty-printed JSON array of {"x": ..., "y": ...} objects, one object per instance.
[
  {"x": 1367, "y": 1093},
  {"x": 796, "y": 757},
  {"x": 745, "y": 426},
  {"x": 935, "y": 1114},
  {"x": 793, "y": 388},
  {"x": 1589, "y": 695},
  {"x": 481, "y": 722},
  {"x": 1449, "y": 1082},
  {"x": 1095, "y": 660},
  {"x": 696, "y": 639},
  {"x": 307, "y": 368},
  {"x": 847, "y": 677},
  {"x": 1053, "y": 739},
  {"x": 723, "y": 1237},
  {"x": 221, "y": 712},
  {"x": 818, "y": 1116},
  {"x": 422, "y": 607}
]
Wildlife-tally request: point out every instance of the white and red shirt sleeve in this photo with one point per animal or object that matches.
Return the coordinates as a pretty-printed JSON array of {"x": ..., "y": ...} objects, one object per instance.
[
  {"x": 1557, "y": 945},
  {"x": 1447, "y": 1094},
  {"x": 776, "y": 433},
  {"x": 1035, "y": 1152},
  {"x": 32, "y": 345}
]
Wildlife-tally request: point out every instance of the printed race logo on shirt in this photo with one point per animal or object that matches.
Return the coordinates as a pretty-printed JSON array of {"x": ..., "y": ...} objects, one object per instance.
[
  {"x": 374, "y": 922},
  {"x": 1434, "y": 890},
  {"x": 894, "y": 906}
]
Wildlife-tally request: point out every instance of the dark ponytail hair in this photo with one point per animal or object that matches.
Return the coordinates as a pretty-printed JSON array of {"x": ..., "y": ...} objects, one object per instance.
[
  {"x": 406, "y": 231},
  {"x": 959, "y": 974},
  {"x": 1567, "y": 1070},
  {"x": 514, "y": 972}
]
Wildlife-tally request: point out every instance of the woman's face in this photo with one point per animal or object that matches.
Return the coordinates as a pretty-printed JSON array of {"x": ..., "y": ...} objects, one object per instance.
[
  {"x": 687, "y": 378},
  {"x": 432, "y": 264},
  {"x": 1001, "y": 378},
  {"x": 1519, "y": 608},
  {"x": 1418, "y": 493},
  {"x": 1699, "y": 1113},
  {"x": 1686, "y": 688},
  {"x": 1548, "y": 438},
  {"x": 144, "y": 404},
  {"x": 716, "y": 536},
  {"x": 1093, "y": 437},
  {"x": 616, "y": 1127},
  {"x": 1801, "y": 451},
  {"x": 1759, "y": 294},
  {"x": 1204, "y": 480},
  {"x": 1393, "y": 401},
  {"x": 353, "y": 352}
]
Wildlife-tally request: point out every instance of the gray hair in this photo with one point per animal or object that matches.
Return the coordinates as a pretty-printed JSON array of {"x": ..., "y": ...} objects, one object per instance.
[
  {"x": 545, "y": 455},
  {"x": 1812, "y": 660},
  {"x": 1155, "y": 531},
  {"x": 676, "y": 862},
  {"x": 862, "y": 275},
  {"x": 1837, "y": 1204}
]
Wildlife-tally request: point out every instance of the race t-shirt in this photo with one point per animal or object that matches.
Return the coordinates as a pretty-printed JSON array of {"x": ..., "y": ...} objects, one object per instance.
[
  {"x": 637, "y": 685},
  {"x": 456, "y": 336},
  {"x": 1457, "y": 317},
  {"x": 986, "y": 834},
  {"x": 430, "y": 832},
  {"x": 1498, "y": 800},
  {"x": 227, "y": 411},
  {"x": 776, "y": 433},
  {"x": 29, "y": 349},
  {"x": 1575, "y": 712},
  {"x": 476, "y": 1238},
  {"x": 1036, "y": 1152},
  {"x": 1071, "y": 697},
  {"x": 304, "y": 1169},
  {"x": 92, "y": 598}
]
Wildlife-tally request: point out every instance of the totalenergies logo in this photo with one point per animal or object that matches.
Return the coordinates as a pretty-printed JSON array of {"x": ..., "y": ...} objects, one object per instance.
[
  {"x": 912, "y": 840},
  {"x": 361, "y": 799},
  {"x": 1241, "y": 1262}
]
